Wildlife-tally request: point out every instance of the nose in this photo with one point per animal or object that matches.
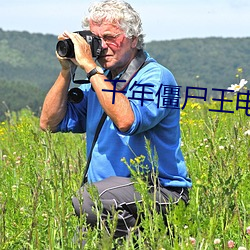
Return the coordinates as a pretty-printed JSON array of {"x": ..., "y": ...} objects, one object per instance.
[{"x": 104, "y": 44}]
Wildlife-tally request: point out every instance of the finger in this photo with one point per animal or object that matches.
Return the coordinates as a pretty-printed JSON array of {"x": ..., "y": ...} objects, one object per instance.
[
  {"x": 66, "y": 33},
  {"x": 59, "y": 57},
  {"x": 69, "y": 60},
  {"x": 75, "y": 37},
  {"x": 63, "y": 36},
  {"x": 69, "y": 34}
]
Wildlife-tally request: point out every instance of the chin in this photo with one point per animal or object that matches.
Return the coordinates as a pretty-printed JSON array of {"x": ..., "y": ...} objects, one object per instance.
[{"x": 105, "y": 64}]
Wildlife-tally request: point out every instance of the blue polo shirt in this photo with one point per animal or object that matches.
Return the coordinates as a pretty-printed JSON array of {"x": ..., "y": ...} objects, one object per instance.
[{"x": 153, "y": 97}]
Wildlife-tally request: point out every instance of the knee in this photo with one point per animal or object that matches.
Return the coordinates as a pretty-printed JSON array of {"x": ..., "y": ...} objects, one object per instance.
[{"x": 84, "y": 205}]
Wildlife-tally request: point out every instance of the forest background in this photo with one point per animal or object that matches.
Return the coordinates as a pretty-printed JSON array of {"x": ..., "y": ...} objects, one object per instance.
[
  {"x": 28, "y": 65},
  {"x": 41, "y": 171}
]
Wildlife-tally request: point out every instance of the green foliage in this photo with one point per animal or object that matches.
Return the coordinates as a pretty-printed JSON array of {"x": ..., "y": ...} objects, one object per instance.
[
  {"x": 207, "y": 62},
  {"x": 14, "y": 95},
  {"x": 29, "y": 59},
  {"x": 40, "y": 172},
  {"x": 36, "y": 184},
  {"x": 28, "y": 68}
]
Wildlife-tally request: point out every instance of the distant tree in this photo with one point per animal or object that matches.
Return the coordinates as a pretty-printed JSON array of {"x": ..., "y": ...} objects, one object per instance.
[
  {"x": 17, "y": 95},
  {"x": 29, "y": 67}
]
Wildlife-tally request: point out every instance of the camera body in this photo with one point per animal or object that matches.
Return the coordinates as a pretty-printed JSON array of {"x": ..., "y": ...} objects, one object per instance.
[{"x": 65, "y": 48}]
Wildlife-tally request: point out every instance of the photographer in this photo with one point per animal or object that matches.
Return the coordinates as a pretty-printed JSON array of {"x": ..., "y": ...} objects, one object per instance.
[{"x": 129, "y": 121}]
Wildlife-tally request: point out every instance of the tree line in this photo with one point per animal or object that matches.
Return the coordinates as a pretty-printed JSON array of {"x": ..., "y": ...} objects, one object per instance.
[{"x": 28, "y": 65}]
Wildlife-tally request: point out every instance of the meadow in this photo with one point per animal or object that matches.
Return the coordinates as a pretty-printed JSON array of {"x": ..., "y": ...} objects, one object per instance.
[{"x": 40, "y": 172}]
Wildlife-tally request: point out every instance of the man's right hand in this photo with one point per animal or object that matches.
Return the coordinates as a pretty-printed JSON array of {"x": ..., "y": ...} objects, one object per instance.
[{"x": 66, "y": 63}]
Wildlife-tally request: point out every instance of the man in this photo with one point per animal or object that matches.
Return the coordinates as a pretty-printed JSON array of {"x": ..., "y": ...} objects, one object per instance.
[{"x": 135, "y": 113}]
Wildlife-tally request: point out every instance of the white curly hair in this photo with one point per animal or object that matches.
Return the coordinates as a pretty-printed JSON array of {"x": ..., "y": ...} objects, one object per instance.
[{"x": 119, "y": 12}]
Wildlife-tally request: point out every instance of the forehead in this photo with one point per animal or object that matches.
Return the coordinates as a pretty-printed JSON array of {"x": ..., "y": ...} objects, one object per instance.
[{"x": 104, "y": 27}]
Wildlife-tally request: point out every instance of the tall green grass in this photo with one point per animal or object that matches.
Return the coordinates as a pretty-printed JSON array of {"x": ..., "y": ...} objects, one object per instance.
[{"x": 40, "y": 172}]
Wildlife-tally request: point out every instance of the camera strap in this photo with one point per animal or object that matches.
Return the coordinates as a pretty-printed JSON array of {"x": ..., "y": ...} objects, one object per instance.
[{"x": 136, "y": 64}]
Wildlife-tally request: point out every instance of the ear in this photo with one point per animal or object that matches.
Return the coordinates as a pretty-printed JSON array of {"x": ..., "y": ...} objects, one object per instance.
[{"x": 134, "y": 42}]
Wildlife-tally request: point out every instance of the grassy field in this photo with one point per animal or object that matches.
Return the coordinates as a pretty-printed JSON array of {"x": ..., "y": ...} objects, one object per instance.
[{"x": 40, "y": 172}]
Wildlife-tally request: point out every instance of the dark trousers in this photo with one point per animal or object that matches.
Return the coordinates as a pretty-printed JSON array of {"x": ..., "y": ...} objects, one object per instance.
[{"x": 119, "y": 194}]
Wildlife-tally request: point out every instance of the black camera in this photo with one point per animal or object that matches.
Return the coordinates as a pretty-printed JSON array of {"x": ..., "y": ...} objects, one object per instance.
[{"x": 65, "y": 48}]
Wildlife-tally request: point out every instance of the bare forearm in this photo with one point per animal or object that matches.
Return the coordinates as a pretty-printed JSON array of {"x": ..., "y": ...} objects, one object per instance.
[
  {"x": 120, "y": 111},
  {"x": 55, "y": 103}
]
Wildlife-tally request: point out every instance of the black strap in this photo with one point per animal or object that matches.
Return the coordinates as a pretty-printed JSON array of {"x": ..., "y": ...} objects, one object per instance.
[
  {"x": 136, "y": 64},
  {"x": 97, "y": 132}
]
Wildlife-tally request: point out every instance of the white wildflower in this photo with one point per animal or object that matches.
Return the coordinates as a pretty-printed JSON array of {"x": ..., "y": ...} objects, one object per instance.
[
  {"x": 217, "y": 241},
  {"x": 45, "y": 216},
  {"x": 247, "y": 133},
  {"x": 242, "y": 248},
  {"x": 238, "y": 87}
]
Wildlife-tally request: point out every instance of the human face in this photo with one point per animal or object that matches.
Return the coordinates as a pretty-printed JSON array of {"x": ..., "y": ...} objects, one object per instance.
[{"x": 118, "y": 50}]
